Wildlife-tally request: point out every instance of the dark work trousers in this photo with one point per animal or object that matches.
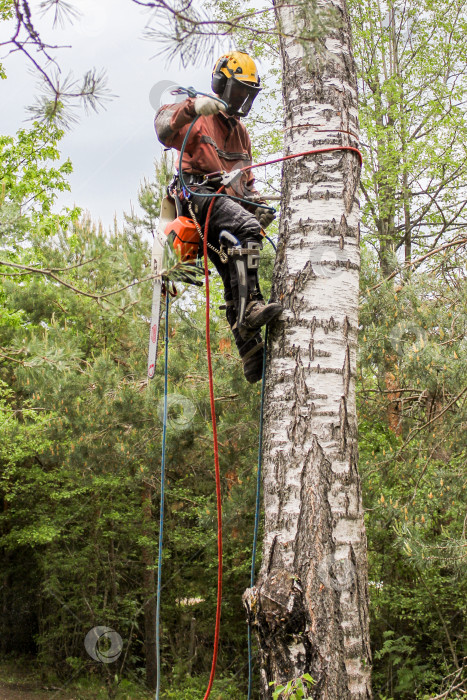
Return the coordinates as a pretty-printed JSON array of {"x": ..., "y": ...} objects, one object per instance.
[{"x": 229, "y": 215}]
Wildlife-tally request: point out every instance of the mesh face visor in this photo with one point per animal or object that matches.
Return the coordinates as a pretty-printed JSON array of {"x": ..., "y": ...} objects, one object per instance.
[{"x": 239, "y": 95}]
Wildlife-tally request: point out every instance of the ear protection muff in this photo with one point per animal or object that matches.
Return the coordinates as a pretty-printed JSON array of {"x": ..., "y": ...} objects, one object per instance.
[{"x": 219, "y": 80}]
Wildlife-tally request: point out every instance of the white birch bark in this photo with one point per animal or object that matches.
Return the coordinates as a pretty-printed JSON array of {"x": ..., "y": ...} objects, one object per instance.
[{"x": 310, "y": 604}]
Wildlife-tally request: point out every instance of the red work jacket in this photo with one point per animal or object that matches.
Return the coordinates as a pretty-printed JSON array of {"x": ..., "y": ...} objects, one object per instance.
[{"x": 216, "y": 142}]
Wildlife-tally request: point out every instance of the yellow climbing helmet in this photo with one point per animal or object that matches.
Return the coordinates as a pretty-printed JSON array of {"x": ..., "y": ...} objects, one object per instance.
[{"x": 235, "y": 79}]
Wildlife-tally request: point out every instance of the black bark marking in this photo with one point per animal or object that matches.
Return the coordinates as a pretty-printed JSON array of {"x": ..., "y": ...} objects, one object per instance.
[
  {"x": 344, "y": 424},
  {"x": 298, "y": 432},
  {"x": 343, "y": 227},
  {"x": 352, "y": 180},
  {"x": 303, "y": 277},
  {"x": 322, "y": 353},
  {"x": 346, "y": 371},
  {"x": 346, "y": 328},
  {"x": 331, "y": 230},
  {"x": 325, "y": 370},
  {"x": 311, "y": 350},
  {"x": 271, "y": 554}
]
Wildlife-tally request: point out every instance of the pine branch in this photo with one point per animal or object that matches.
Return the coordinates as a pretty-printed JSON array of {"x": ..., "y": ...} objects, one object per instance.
[
  {"x": 190, "y": 32},
  {"x": 183, "y": 272},
  {"x": 415, "y": 431},
  {"x": 49, "y": 273},
  {"x": 59, "y": 95}
]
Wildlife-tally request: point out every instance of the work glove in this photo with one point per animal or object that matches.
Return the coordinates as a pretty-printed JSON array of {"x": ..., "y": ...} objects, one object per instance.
[
  {"x": 264, "y": 216},
  {"x": 207, "y": 106}
]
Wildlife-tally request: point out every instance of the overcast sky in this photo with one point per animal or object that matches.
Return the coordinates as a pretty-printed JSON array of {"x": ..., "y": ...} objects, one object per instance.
[{"x": 111, "y": 151}]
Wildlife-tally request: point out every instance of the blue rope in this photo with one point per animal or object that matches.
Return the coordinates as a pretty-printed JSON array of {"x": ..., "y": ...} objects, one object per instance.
[
  {"x": 161, "y": 516},
  {"x": 258, "y": 493},
  {"x": 257, "y": 512}
]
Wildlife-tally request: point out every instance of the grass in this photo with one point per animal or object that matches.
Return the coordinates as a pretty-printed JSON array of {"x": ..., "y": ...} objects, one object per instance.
[{"x": 28, "y": 681}]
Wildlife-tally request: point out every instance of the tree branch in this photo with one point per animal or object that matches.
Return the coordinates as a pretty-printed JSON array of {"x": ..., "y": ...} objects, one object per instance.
[
  {"x": 49, "y": 273},
  {"x": 417, "y": 262}
]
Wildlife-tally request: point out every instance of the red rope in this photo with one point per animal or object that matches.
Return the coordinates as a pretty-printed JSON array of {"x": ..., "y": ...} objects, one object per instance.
[
  {"x": 298, "y": 155},
  {"x": 322, "y": 131},
  {"x": 308, "y": 153},
  {"x": 216, "y": 458}
]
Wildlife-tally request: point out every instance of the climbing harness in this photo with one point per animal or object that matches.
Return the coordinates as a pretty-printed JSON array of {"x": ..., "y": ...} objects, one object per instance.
[{"x": 187, "y": 234}]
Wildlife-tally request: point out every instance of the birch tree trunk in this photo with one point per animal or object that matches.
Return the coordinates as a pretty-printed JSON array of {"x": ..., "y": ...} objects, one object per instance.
[{"x": 309, "y": 606}]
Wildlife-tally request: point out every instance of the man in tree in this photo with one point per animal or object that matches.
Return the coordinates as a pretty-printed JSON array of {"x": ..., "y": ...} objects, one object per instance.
[{"x": 220, "y": 142}]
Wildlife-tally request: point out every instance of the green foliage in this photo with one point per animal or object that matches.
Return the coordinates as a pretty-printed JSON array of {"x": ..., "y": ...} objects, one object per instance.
[
  {"x": 151, "y": 194},
  {"x": 29, "y": 182},
  {"x": 6, "y": 9},
  {"x": 185, "y": 687},
  {"x": 411, "y": 59},
  {"x": 176, "y": 271},
  {"x": 411, "y": 399},
  {"x": 412, "y": 462},
  {"x": 84, "y": 457},
  {"x": 401, "y": 654},
  {"x": 295, "y": 689}
]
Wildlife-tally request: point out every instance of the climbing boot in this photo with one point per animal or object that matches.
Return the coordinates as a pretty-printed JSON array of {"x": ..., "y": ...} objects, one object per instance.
[
  {"x": 252, "y": 356},
  {"x": 258, "y": 314},
  {"x": 243, "y": 260},
  {"x": 250, "y": 350}
]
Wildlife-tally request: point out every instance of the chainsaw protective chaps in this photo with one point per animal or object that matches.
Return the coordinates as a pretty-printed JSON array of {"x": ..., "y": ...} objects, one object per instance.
[{"x": 241, "y": 229}]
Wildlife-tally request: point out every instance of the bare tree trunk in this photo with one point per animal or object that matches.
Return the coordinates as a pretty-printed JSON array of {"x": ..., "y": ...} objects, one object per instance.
[{"x": 310, "y": 603}]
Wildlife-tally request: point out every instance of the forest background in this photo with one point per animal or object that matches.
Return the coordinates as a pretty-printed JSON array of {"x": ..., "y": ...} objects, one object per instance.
[{"x": 81, "y": 429}]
